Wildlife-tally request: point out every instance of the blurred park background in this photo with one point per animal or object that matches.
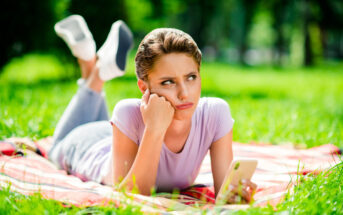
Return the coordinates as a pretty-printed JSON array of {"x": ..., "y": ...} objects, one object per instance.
[
  {"x": 247, "y": 32},
  {"x": 278, "y": 63}
]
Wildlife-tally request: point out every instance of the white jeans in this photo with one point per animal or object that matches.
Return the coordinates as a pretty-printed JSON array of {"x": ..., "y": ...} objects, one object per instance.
[{"x": 83, "y": 123}]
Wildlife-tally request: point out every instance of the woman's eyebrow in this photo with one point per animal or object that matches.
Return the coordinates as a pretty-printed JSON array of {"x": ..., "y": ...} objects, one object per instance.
[
  {"x": 169, "y": 77},
  {"x": 163, "y": 78},
  {"x": 191, "y": 73}
]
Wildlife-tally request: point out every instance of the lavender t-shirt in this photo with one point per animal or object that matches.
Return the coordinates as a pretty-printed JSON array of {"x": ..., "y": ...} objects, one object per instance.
[{"x": 210, "y": 121}]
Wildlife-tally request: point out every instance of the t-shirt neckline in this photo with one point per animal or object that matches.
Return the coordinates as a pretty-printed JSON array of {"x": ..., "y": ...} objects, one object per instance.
[{"x": 187, "y": 141}]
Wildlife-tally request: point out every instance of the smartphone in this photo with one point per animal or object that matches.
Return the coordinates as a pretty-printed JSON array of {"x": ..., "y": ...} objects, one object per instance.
[{"x": 239, "y": 169}]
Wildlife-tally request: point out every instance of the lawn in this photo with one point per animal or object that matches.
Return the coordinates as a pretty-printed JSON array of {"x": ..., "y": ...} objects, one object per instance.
[{"x": 296, "y": 106}]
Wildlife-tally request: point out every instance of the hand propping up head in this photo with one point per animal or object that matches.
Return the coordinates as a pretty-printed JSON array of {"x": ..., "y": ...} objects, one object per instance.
[{"x": 157, "y": 112}]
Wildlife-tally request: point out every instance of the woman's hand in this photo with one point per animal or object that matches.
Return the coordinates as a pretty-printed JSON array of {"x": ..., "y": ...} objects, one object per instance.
[
  {"x": 156, "y": 111},
  {"x": 242, "y": 193}
]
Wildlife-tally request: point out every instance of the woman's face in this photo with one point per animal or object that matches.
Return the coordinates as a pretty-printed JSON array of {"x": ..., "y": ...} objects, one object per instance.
[{"x": 176, "y": 77}]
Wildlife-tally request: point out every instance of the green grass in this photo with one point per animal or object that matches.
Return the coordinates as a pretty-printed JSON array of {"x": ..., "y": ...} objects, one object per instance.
[
  {"x": 295, "y": 105},
  {"x": 14, "y": 203},
  {"x": 317, "y": 194},
  {"x": 321, "y": 194},
  {"x": 288, "y": 106},
  {"x": 279, "y": 106}
]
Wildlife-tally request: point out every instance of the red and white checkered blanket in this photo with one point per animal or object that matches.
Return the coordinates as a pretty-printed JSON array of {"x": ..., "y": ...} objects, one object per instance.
[{"x": 276, "y": 172}]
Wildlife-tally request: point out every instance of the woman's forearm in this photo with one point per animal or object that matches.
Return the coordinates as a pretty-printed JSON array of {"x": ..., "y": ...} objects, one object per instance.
[{"x": 143, "y": 171}]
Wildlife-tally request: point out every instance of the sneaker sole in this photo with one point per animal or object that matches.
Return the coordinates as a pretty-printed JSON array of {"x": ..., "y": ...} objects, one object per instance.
[
  {"x": 74, "y": 31},
  {"x": 112, "y": 63},
  {"x": 124, "y": 46}
]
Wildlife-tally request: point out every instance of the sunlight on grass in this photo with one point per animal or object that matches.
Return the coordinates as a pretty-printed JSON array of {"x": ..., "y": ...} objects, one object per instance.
[
  {"x": 279, "y": 106},
  {"x": 14, "y": 203},
  {"x": 33, "y": 68},
  {"x": 300, "y": 106}
]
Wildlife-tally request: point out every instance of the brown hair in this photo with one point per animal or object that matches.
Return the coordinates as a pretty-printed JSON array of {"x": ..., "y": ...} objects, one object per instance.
[{"x": 163, "y": 41}]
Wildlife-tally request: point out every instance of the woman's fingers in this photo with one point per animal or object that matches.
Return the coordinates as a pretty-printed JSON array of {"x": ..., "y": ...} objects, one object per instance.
[
  {"x": 239, "y": 197},
  {"x": 249, "y": 184},
  {"x": 246, "y": 195},
  {"x": 145, "y": 97},
  {"x": 157, "y": 111},
  {"x": 242, "y": 193},
  {"x": 249, "y": 187}
]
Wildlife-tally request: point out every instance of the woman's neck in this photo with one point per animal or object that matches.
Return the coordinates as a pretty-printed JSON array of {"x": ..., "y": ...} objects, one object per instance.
[
  {"x": 179, "y": 126},
  {"x": 177, "y": 134}
]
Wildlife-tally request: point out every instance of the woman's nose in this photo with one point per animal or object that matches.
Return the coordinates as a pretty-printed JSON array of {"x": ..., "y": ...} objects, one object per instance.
[{"x": 183, "y": 92}]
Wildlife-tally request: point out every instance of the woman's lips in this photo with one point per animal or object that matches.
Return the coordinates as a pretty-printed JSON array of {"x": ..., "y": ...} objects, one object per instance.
[{"x": 184, "y": 106}]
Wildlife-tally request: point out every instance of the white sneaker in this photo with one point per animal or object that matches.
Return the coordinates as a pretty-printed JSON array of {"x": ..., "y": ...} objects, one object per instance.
[
  {"x": 74, "y": 31},
  {"x": 113, "y": 53}
]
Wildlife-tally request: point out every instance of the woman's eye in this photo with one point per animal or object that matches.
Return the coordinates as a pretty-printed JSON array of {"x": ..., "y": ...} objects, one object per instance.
[
  {"x": 167, "y": 82},
  {"x": 192, "y": 77}
]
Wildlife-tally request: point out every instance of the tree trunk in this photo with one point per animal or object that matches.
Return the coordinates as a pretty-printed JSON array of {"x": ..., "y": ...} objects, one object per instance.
[{"x": 308, "y": 58}]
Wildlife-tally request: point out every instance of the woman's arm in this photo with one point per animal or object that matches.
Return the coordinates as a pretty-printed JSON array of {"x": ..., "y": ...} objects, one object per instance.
[
  {"x": 138, "y": 166},
  {"x": 221, "y": 157},
  {"x": 143, "y": 170},
  {"x": 142, "y": 162},
  {"x": 124, "y": 151}
]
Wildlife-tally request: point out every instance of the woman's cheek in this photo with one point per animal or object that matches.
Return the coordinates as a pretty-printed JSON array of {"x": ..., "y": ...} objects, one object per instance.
[{"x": 168, "y": 93}]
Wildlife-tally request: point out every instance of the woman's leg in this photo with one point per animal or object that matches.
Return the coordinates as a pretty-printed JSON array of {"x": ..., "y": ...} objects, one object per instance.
[
  {"x": 83, "y": 151},
  {"x": 74, "y": 129},
  {"x": 87, "y": 105},
  {"x": 82, "y": 124},
  {"x": 82, "y": 131}
]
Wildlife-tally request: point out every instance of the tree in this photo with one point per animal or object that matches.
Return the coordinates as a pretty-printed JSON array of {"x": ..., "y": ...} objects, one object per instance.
[
  {"x": 99, "y": 15},
  {"x": 28, "y": 27}
]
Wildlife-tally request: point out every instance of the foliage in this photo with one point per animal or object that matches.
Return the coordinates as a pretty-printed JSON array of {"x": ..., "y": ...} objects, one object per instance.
[
  {"x": 315, "y": 194},
  {"x": 14, "y": 203},
  {"x": 99, "y": 15},
  {"x": 323, "y": 191},
  {"x": 279, "y": 32},
  {"x": 301, "y": 106},
  {"x": 35, "y": 67},
  {"x": 25, "y": 29}
]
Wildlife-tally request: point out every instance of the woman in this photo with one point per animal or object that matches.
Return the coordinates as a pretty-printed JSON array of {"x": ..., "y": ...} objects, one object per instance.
[{"x": 158, "y": 141}]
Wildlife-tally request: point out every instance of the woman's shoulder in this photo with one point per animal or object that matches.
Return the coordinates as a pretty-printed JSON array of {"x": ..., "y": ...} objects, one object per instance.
[
  {"x": 216, "y": 116},
  {"x": 131, "y": 103},
  {"x": 212, "y": 109},
  {"x": 127, "y": 107},
  {"x": 127, "y": 117},
  {"x": 212, "y": 104}
]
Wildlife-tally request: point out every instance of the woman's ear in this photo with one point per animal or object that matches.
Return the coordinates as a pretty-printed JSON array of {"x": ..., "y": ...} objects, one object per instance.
[{"x": 142, "y": 85}]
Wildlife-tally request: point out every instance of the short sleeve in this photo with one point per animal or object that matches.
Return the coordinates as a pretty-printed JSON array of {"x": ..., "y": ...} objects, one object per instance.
[
  {"x": 126, "y": 116},
  {"x": 223, "y": 121}
]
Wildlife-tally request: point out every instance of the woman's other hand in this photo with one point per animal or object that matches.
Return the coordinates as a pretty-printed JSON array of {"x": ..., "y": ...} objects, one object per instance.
[
  {"x": 156, "y": 111},
  {"x": 242, "y": 193}
]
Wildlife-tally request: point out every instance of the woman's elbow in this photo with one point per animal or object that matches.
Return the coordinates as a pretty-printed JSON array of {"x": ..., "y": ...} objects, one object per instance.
[{"x": 134, "y": 188}]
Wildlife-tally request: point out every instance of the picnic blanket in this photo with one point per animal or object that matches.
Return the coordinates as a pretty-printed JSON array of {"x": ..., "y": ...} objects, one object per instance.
[{"x": 278, "y": 166}]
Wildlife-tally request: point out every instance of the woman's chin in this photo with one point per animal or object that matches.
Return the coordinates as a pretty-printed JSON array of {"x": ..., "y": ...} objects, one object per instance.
[{"x": 183, "y": 114}]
